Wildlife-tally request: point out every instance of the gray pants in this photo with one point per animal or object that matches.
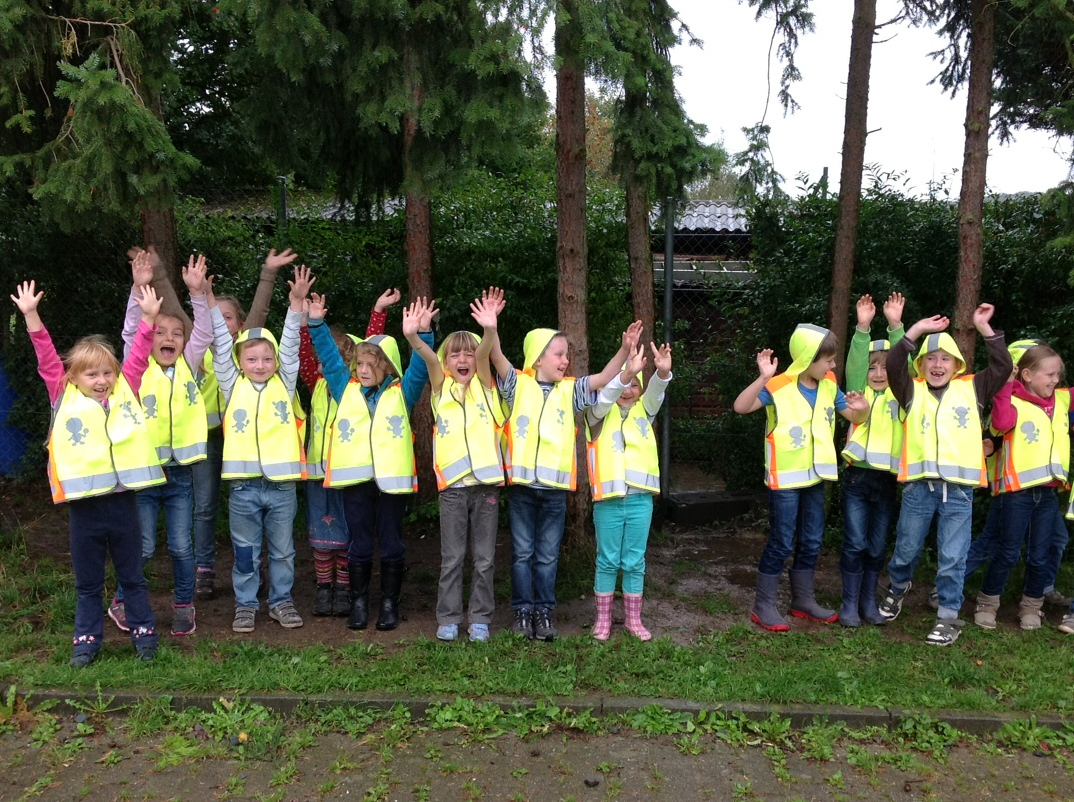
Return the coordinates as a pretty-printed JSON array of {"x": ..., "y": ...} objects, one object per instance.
[{"x": 467, "y": 513}]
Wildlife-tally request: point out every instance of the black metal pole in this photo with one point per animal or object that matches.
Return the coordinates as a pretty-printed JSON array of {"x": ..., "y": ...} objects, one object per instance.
[
  {"x": 665, "y": 412},
  {"x": 281, "y": 214}
]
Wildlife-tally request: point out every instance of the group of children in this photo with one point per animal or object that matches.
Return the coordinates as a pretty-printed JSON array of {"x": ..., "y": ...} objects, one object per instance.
[
  {"x": 214, "y": 398},
  {"x": 918, "y": 421}
]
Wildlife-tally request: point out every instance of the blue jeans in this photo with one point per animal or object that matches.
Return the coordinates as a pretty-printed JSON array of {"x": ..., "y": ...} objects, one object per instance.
[
  {"x": 985, "y": 545},
  {"x": 101, "y": 525},
  {"x": 207, "y": 500},
  {"x": 1026, "y": 514},
  {"x": 176, "y": 496},
  {"x": 795, "y": 526},
  {"x": 260, "y": 508},
  {"x": 952, "y": 505},
  {"x": 1059, "y": 544},
  {"x": 622, "y": 527},
  {"x": 868, "y": 510},
  {"x": 537, "y": 517}
]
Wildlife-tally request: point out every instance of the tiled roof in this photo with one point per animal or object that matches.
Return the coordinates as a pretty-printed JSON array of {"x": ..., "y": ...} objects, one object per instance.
[{"x": 708, "y": 216}]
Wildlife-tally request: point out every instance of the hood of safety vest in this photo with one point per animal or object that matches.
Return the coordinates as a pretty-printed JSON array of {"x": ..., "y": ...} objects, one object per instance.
[
  {"x": 804, "y": 344},
  {"x": 390, "y": 347},
  {"x": 256, "y": 333},
  {"x": 875, "y": 346},
  {"x": 1018, "y": 348},
  {"x": 939, "y": 341},
  {"x": 533, "y": 347}
]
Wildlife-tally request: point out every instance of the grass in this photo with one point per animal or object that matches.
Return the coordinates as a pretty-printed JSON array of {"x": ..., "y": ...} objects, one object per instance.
[{"x": 867, "y": 667}]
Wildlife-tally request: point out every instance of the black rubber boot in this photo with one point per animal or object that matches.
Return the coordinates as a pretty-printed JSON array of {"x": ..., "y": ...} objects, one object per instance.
[
  {"x": 867, "y": 604},
  {"x": 359, "y": 617},
  {"x": 322, "y": 602},
  {"x": 391, "y": 580},
  {"x": 848, "y": 614}
]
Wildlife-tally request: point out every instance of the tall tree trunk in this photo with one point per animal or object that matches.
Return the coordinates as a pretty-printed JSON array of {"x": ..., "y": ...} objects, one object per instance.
[
  {"x": 570, "y": 231},
  {"x": 974, "y": 171},
  {"x": 640, "y": 256},
  {"x": 159, "y": 229},
  {"x": 855, "y": 131}
]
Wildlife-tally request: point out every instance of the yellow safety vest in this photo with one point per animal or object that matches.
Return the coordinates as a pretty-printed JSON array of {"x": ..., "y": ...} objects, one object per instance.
[
  {"x": 1037, "y": 450},
  {"x": 211, "y": 394},
  {"x": 942, "y": 437},
  {"x": 322, "y": 414},
  {"x": 466, "y": 434},
  {"x": 378, "y": 446},
  {"x": 877, "y": 443},
  {"x": 800, "y": 443},
  {"x": 623, "y": 454},
  {"x": 261, "y": 436},
  {"x": 541, "y": 433},
  {"x": 93, "y": 451},
  {"x": 174, "y": 413}
]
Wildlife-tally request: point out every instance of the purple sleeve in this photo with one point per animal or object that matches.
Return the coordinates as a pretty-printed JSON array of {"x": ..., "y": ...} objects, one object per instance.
[
  {"x": 201, "y": 334},
  {"x": 138, "y": 359},
  {"x": 130, "y": 322},
  {"x": 49, "y": 365}
]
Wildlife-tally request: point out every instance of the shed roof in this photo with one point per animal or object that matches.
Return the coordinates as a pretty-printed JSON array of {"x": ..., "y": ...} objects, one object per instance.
[{"x": 712, "y": 216}]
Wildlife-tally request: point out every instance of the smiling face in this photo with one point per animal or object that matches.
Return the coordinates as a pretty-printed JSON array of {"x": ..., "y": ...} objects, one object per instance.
[
  {"x": 878, "y": 371},
  {"x": 1043, "y": 378},
  {"x": 630, "y": 394},
  {"x": 257, "y": 360},
  {"x": 168, "y": 340},
  {"x": 95, "y": 381},
  {"x": 553, "y": 364},
  {"x": 939, "y": 367}
]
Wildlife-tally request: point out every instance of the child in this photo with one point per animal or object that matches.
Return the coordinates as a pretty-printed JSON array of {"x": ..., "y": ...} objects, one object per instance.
[
  {"x": 262, "y": 455},
  {"x": 469, "y": 467},
  {"x": 800, "y": 405},
  {"x": 942, "y": 458},
  {"x": 872, "y": 451},
  {"x": 328, "y": 533},
  {"x": 175, "y": 416},
  {"x": 1033, "y": 414},
  {"x": 99, "y": 452},
  {"x": 207, "y": 472},
  {"x": 624, "y": 475},
  {"x": 543, "y": 463},
  {"x": 371, "y": 453}
]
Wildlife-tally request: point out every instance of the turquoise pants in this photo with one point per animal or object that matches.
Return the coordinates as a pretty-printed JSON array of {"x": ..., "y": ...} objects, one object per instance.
[{"x": 622, "y": 526}]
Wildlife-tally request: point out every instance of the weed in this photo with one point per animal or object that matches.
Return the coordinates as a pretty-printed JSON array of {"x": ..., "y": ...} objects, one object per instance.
[
  {"x": 837, "y": 781},
  {"x": 342, "y": 764},
  {"x": 327, "y": 786},
  {"x": 742, "y": 790},
  {"x": 434, "y": 753},
  {"x": 607, "y": 768},
  {"x": 615, "y": 788},
  {"x": 818, "y": 740},
  {"x": 422, "y": 793},
  {"x": 45, "y": 731},
  {"x": 656, "y": 720},
  {"x": 175, "y": 750},
  {"x": 472, "y": 789},
  {"x": 150, "y": 715},
  {"x": 99, "y": 707},
  {"x": 926, "y": 734},
  {"x": 774, "y": 730},
  {"x": 690, "y": 744},
  {"x": 779, "y": 764},
  {"x": 1027, "y": 735},
  {"x": 519, "y": 773},
  {"x": 345, "y": 719},
  {"x": 285, "y": 774},
  {"x": 235, "y": 785}
]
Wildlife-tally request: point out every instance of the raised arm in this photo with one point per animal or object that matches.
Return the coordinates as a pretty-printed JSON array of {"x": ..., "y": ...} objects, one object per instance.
[
  {"x": 749, "y": 400},
  {"x": 628, "y": 345},
  {"x": 263, "y": 294},
  {"x": 413, "y": 316},
  {"x": 49, "y": 364},
  {"x": 162, "y": 286},
  {"x": 379, "y": 316},
  {"x": 196, "y": 279},
  {"x": 485, "y": 312}
]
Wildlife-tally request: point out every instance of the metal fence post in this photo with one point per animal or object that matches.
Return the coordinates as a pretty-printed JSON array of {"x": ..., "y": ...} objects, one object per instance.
[
  {"x": 665, "y": 412},
  {"x": 281, "y": 214}
]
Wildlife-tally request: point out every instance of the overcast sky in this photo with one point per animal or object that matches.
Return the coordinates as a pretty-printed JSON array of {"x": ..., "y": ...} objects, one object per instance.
[{"x": 916, "y": 128}]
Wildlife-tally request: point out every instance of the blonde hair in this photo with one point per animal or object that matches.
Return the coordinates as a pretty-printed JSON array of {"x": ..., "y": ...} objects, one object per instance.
[
  {"x": 232, "y": 301},
  {"x": 375, "y": 351},
  {"x": 241, "y": 347},
  {"x": 459, "y": 341},
  {"x": 878, "y": 358},
  {"x": 1032, "y": 358},
  {"x": 90, "y": 352}
]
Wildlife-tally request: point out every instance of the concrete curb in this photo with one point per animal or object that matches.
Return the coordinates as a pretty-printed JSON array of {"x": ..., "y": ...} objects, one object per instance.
[{"x": 72, "y": 702}]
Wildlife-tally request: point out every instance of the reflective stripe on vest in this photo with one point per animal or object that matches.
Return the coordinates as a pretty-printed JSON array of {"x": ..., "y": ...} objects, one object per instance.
[
  {"x": 541, "y": 434},
  {"x": 378, "y": 446},
  {"x": 877, "y": 443},
  {"x": 623, "y": 454},
  {"x": 942, "y": 437},
  {"x": 1037, "y": 450},
  {"x": 800, "y": 444},
  {"x": 465, "y": 435},
  {"x": 261, "y": 436},
  {"x": 174, "y": 412},
  {"x": 93, "y": 451}
]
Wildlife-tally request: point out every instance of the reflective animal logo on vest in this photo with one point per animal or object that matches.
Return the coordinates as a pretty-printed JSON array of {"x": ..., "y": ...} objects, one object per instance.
[
  {"x": 345, "y": 430},
  {"x": 643, "y": 427},
  {"x": 829, "y": 414},
  {"x": 523, "y": 425},
  {"x": 191, "y": 394},
  {"x": 77, "y": 430},
  {"x": 128, "y": 412},
  {"x": 797, "y": 436},
  {"x": 481, "y": 411},
  {"x": 1030, "y": 430},
  {"x": 241, "y": 421},
  {"x": 441, "y": 427},
  {"x": 562, "y": 413},
  {"x": 618, "y": 443},
  {"x": 281, "y": 411},
  {"x": 962, "y": 415},
  {"x": 395, "y": 425},
  {"x": 925, "y": 422},
  {"x": 150, "y": 404},
  {"x": 893, "y": 409}
]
